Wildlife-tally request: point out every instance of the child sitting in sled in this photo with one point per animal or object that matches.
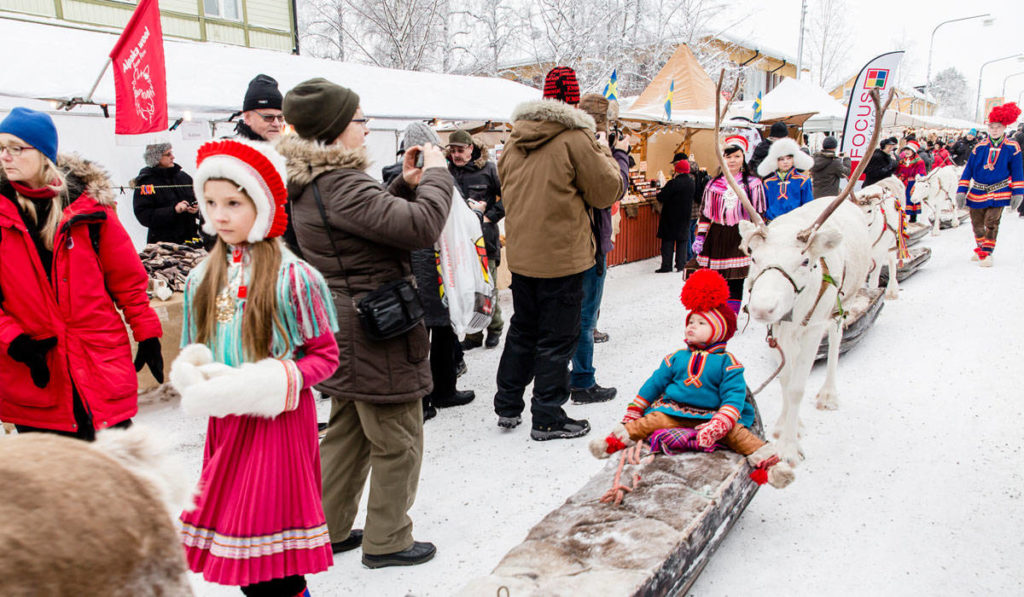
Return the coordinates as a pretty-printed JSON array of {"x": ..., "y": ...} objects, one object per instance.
[{"x": 696, "y": 400}]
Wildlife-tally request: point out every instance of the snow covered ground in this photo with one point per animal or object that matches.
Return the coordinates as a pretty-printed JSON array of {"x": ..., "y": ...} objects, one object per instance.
[{"x": 913, "y": 487}]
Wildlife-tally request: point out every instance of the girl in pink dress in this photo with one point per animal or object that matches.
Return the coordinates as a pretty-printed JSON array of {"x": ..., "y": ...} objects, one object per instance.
[{"x": 258, "y": 334}]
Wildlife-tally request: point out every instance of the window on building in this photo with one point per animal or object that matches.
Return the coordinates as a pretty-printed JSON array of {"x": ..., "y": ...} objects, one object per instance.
[{"x": 225, "y": 9}]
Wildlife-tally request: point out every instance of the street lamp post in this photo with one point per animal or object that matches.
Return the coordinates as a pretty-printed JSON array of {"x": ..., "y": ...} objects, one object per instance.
[
  {"x": 977, "y": 102},
  {"x": 1008, "y": 77},
  {"x": 928, "y": 81}
]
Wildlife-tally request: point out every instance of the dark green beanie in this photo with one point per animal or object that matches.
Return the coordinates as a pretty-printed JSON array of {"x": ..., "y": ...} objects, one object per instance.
[
  {"x": 319, "y": 110},
  {"x": 460, "y": 137}
]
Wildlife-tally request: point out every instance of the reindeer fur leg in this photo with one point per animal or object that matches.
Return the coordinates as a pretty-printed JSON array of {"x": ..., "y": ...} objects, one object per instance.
[
  {"x": 800, "y": 349},
  {"x": 892, "y": 288},
  {"x": 828, "y": 395}
]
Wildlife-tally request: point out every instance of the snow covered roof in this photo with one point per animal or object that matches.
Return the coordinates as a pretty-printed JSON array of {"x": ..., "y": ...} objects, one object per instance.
[
  {"x": 799, "y": 96},
  {"x": 210, "y": 78}
]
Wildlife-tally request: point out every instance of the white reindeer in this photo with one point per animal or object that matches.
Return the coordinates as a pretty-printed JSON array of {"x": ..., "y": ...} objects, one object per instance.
[
  {"x": 937, "y": 190},
  {"x": 802, "y": 266},
  {"x": 881, "y": 203}
]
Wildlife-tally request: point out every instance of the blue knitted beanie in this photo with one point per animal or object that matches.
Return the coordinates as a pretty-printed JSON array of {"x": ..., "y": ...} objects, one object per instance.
[{"x": 34, "y": 128}]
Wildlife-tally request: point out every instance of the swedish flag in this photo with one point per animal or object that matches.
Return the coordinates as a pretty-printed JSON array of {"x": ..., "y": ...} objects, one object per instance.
[
  {"x": 757, "y": 108},
  {"x": 611, "y": 89},
  {"x": 668, "y": 100}
]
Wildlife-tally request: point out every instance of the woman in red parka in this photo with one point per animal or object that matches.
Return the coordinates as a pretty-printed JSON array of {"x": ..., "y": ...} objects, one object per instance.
[{"x": 66, "y": 267}]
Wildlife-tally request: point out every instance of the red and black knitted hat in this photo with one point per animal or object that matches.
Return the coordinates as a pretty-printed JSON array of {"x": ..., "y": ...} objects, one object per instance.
[
  {"x": 1005, "y": 114},
  {"x": 257, "y": 168},
  {"x": 561, "y": 84},
  {"x": 706, "y": 293}
]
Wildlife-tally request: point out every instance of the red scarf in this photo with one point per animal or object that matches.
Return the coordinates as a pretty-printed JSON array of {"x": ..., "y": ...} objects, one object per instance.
[{"x": 40, "y": 193}]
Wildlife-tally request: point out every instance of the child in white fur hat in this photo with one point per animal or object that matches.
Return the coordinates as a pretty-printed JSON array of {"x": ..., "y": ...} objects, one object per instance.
[
  {"x": 787, "y": 181},
  {"x": 258, "y": 334}
]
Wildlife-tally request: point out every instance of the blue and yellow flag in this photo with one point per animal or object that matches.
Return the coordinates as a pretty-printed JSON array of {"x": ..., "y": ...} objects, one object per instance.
[
  {"x": 757, "y": 108},
  {"x": 611, "y": 89},
  {"x": 668, "y": 100}
]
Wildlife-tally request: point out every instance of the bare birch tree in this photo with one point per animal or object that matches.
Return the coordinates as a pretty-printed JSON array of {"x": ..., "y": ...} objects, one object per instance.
[{"x": 830, "y": 40}]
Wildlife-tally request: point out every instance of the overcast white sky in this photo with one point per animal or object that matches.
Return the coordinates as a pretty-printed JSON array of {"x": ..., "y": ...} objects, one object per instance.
[{"x": 882, "y": 25}]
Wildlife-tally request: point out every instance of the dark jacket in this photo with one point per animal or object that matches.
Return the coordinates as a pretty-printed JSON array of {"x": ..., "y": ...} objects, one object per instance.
[
  {"x": 961, "y": 150},
  {"x": 881, "y": 165},
  {"x": 925, "y": 156},
  {"x": 478, "y": 180},
  {"x": 96, "y": 279},
  {"x": 760, "y": 153},
  {"x": 374, "y": 230},
  {"x": 827, "y": 171},
  {"x": 700, "y": 181},
  {"x": 157, "y": 191},
  {"x": 676, "y": 205},
  {"x": 428, "y": 282}
]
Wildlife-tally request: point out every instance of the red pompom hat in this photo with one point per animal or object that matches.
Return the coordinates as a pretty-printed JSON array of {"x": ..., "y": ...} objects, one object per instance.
[
  {"x": 257, "y": 168},
  {"x": 706, "y": 293},
  {"x": 1005, "y": 114},
  {"x": 561, "y": 84}
]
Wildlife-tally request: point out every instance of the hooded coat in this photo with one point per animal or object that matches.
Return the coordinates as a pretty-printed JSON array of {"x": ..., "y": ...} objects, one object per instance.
[
  {"x": 478, "y": 180},
  {"x": 827, "y": 171},
  {"x": 374, "y": 230},
  {"x": 157, "y": 191},
  {"x": 552, "y": 170},
  {"x": 78, "y": 303}
]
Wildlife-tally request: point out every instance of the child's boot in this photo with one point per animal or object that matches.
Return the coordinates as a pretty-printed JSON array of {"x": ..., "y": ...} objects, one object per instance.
[
  {"x": 768, "y": 468},
  {"x": 617, "y": 440}
]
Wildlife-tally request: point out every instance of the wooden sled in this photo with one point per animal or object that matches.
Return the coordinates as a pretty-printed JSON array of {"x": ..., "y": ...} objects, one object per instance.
[
  {"x": 861, "y": 312},
  {"x": 918, "y": 256},
  {"x": 656, "y": 542},
  {"x": 916, "y": 231},
  {"x": 946, "y": 218}
]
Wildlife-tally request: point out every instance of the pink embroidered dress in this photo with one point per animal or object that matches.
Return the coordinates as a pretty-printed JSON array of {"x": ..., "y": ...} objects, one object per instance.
[
  {"x": 259, "y": 515},
  {"x": 720, "y": 215}
]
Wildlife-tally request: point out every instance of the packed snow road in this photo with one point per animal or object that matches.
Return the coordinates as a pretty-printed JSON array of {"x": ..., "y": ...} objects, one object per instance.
[{"x": 913, "y": 487}]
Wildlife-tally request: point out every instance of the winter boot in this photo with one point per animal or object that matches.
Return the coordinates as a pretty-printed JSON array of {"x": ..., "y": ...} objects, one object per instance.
[
  {"x": 600, "y": 337},
  {"x": 617, "y": 440},
  {"x": 493, "y": 338},
  {"x": 509, "y": 422},
  {"x": 354, "y": 540},
  {"x": 768, "y": 468},
  {"x": 418, "y": 553},
  {"x": 459, "y": 398},
  {"x": 594, "y": 393},
  {"x": 986, "y": 261},
  {"x": 567, "y": 429},
  {"x": 472, "y": 341}
]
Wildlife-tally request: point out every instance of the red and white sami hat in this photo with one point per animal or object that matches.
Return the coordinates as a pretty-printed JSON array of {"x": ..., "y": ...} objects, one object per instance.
[
  {"x": 736, "y": 141},
  {"x": 255, "y": 167},
  {"x": 914, "y": 145},
  {"x": 1005, "y": 114},
  {"x": 706, "y": 293}
]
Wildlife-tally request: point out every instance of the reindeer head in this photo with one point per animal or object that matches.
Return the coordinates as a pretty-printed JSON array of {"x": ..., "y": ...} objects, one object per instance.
[
  {"x": 922, "y": 189},
  {"x": 782, "y": 265}
]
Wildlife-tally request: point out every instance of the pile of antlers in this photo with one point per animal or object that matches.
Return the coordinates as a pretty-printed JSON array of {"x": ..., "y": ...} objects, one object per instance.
[{"x": 807, "y": 235}]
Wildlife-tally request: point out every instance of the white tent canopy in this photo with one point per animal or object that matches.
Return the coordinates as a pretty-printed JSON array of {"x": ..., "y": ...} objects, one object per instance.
[
  {"x": 798, "y": 96},
  {"x": 211, "y": 79}
]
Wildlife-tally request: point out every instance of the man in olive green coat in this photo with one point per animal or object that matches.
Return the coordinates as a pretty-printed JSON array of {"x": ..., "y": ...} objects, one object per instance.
[{"x": 552, "y": 169}]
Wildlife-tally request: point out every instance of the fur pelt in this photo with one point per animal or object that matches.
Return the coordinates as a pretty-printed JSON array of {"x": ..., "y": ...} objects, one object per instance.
[
  {"x": 83, "y": 176},
  {"x": 783, "y": 147},
  {"x": 91, "y": 519},
  {"x": 554, "y": 111},
  {"x": 308, "y": 159}
]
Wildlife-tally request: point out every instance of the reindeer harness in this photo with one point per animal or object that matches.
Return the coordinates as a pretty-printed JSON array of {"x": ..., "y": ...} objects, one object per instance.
[{"x": 826, "y": 281}]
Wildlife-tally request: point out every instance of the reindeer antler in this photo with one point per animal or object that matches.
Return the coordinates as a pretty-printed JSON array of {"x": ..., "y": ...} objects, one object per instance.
[
  {"x": 806, "y": 235},
  {"x": 719, "y": 115}
]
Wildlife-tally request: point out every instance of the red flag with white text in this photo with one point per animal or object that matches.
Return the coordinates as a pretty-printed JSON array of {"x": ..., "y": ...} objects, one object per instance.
[{"x": 140, "y": 82}]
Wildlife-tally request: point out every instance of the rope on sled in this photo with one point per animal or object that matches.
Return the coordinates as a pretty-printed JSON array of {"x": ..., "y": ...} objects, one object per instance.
[{"x": 618, "y": 490}]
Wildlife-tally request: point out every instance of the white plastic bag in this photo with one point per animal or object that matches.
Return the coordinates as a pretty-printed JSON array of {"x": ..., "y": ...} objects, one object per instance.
[{"x": 468, "y": 285}]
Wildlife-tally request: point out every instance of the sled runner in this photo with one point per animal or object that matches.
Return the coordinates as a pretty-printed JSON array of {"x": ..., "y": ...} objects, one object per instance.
[
  {"x": 918, "y": 257},
  {"x": 656, "y": 542},
  {"x": 916, "y": 231},
  {"x": 861, "y": 312}
]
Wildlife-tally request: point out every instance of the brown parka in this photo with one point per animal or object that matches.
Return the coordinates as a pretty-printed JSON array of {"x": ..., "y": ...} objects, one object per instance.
[
  {"x": 552, "y": 169},
  {"x": 374, "y": 229}
]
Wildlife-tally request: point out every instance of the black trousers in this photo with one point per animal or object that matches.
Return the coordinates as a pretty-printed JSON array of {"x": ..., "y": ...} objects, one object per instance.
[
  {"x": 289, "y": 586},
  {"x": 86, "y": 431},
  {"x": 445, "y": 354},
  {"x": 670, "y": 247},
  {"x": 540, "y": 343}
]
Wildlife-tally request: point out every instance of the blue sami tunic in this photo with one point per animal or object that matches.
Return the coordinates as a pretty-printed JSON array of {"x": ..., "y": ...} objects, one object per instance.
[
  {"x": 694, "y": 384},
  {"x": 997, "y": 172},
  {"x": 787, "y": 191}
]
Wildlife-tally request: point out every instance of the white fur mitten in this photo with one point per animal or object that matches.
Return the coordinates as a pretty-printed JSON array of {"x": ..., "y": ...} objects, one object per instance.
[
  {"x": 265, "y": 388},
  {"x": 618, "y": 439}
]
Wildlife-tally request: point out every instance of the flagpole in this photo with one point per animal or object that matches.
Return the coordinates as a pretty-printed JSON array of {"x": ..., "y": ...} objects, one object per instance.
[{"x": 98, "y": 79}]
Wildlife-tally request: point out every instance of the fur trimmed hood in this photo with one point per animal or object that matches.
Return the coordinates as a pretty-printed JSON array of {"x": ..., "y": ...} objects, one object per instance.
[
  {"x": 780, "y": 148},
  {"x": 306, "y": 159},
  {"x": 82, "y": 176},
  {"x": 554, "y": 111}
]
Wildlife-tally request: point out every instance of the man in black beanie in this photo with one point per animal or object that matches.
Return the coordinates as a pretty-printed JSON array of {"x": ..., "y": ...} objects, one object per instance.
[
  {"x": 778, "y": 131},
  {"x": 262, "y": 119}
]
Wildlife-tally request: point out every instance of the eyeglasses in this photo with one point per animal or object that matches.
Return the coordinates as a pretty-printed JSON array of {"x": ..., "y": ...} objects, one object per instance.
[
  {"x": 363, "y": 121},
  {"x": 269, "y": 118},
  {"x": 14, "y": 150}
]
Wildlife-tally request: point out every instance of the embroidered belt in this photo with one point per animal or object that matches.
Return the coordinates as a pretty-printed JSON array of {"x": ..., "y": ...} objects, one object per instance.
[{"x": 989, "y": 188}]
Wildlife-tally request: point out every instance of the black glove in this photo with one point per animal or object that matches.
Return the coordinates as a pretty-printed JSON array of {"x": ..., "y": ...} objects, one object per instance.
[
  {"x": 149, "y": 354},
  {"x": 33, "y": 354}
]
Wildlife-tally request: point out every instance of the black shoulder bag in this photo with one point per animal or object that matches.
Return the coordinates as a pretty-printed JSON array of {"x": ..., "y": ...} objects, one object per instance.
[{"x": 388, "y": 312}]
